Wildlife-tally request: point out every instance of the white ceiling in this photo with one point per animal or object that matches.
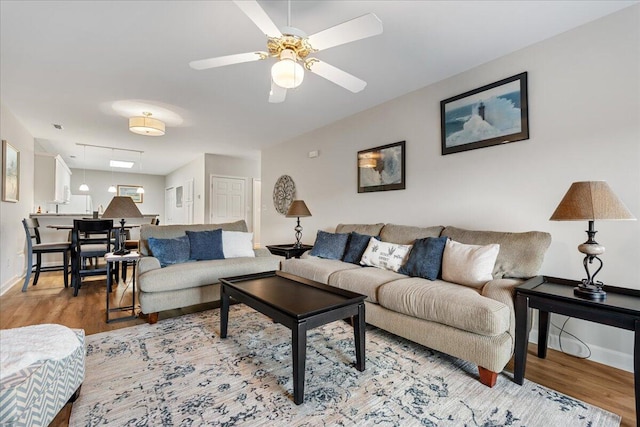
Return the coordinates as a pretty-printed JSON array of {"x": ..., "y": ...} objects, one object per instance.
[{"x": 89, "y": 65}]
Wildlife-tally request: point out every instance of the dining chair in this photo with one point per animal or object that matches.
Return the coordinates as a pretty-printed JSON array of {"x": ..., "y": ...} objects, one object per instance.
[
  {"x": 36, "y": 247},
  {"x": 90, "y": 239}
]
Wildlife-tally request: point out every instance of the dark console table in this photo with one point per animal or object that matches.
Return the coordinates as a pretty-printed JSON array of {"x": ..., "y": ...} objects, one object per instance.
[
  {"x": 621, "y": 309},
  {"x": 288, "y": 251}
]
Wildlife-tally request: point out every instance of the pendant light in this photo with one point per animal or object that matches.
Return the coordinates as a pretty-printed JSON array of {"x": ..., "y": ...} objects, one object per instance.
[
  {"x": 112, "y": 188},
  {"x": 140, "y": 189},
  {"x": 84, "y": 186}
]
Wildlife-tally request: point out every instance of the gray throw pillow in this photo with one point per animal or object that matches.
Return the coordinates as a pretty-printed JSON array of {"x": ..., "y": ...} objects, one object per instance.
[
  {"x": 425, "y": 259},
  {"x": 330, "y": 245}
]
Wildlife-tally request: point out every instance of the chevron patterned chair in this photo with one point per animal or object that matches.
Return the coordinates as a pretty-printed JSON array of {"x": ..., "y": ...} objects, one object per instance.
[{"x": 41, "y": 369}]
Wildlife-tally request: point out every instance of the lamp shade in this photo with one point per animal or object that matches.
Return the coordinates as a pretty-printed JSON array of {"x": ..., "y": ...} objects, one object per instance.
[
  {"x": 591, "y": 200},
  {"x": 146, "y": 125},
  {"x": 122, "y": 207},
  {"x": 297, "y": 209}
]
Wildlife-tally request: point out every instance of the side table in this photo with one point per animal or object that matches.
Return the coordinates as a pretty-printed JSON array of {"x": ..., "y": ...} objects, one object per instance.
[
  {"x": 289, "y": 251},
  {"x": 621, "y": 309},
  {"x": 112, "y": 260}
]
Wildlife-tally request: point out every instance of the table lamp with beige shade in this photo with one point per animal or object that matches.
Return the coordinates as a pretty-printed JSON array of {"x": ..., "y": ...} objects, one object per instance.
[
  {"x": 297, "y": 209},
  {"x": 591, "y": 200},
  {"x": 121, "y": 207}
]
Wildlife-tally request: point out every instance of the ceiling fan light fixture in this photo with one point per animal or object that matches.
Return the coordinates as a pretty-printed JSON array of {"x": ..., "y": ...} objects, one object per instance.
[
  {"x": 146, "y": 125},
  {"x": 287, "y": 72}
]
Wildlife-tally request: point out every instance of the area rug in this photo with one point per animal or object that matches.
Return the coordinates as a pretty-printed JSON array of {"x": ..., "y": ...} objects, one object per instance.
[{"x": 178, "y": 372}]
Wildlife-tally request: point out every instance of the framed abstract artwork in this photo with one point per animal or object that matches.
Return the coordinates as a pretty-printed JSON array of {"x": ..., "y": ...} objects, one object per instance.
[
  {"x": 490, "y": 115},
  {"x": 382, "y": 168},
  {"x": 131, "y": 191},
  {"x": 10, "y": 173}
]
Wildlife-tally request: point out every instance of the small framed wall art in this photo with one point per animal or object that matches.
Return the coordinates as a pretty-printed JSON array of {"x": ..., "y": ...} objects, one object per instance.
[
  {"x": 382, "y": 168},
  {"x": 131, "y": 191},
  {"x": 10, "y": 173},
  {"x": 490, "y": 115}
]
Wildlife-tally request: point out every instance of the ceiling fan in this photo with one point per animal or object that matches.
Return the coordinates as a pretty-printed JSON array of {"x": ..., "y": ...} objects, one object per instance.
[{"x": 292, "y": 47}]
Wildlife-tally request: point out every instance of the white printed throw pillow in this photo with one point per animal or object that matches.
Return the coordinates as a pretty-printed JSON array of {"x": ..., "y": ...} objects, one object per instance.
[{"x": 389, "y": 256}]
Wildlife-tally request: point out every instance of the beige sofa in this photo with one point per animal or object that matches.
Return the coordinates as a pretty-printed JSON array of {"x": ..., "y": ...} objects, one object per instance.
[
  {"x": 474, "y": 324},
  {"x": 190, "y": 283}
]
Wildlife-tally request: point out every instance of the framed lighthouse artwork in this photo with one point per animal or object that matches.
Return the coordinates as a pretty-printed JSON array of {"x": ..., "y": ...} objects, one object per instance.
[{"x": 490, "y": 115}]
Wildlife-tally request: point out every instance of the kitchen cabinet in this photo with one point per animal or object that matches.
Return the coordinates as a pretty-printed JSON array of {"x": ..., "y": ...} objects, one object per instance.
[{"x": 52, "y": 179}]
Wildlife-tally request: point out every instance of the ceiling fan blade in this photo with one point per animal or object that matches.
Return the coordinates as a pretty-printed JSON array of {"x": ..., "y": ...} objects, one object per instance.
[
  {"x": 259, "y": 17},
  {"x": 277, "y": 94},
  {"x": 336, "y": 75},
  {"x": 358, "y": 28},
  {"x": 221, "y": 61}
]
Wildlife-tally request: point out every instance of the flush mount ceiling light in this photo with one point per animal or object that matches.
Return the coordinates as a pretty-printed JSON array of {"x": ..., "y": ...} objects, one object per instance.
[
  {"x": 146, "y": 125},
  {"x": 120, "y": 164}
]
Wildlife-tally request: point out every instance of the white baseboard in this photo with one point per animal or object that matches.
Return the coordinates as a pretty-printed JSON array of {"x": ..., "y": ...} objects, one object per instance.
[
  {"x": 10, "y": 283},
  {"x": 599, "y": 354}
]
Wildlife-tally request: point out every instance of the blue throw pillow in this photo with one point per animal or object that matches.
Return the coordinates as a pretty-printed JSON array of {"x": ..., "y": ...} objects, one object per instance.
[
  {"x": 205, "y": 245},
  {"x": 170, "y": 251},
  {"x": 425, "y": 259},
  {"x": 330, "y": 245},
  {"x": 356, "y": 246}
]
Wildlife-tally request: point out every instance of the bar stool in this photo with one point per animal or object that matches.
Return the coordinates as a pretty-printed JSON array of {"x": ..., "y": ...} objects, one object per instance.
[{"x": 38, "y": 248}]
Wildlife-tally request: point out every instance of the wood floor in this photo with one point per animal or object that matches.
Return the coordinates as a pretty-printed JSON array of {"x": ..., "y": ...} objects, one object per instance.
[{"x": 50, "y": 302}]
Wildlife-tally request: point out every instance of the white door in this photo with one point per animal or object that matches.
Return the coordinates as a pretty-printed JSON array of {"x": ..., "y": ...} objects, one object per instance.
[
  {"x": 257, "y": 211},
  {"x": 228, "y": 199},
  {"x": 188, "y": 201},
  {"x": 169, "y": 203}
]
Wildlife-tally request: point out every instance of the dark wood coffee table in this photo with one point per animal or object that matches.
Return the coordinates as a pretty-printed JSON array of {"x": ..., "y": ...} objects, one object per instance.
[{"x": 300, "y": 305}]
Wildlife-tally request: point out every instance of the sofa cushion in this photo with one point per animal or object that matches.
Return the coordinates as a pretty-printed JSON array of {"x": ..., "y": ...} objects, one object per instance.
[
  {"x": 201, "y": 273},
  {"x": 469, "y": 265},
  {"x": 170, "y": 251},
  {"x": 330, "y": 245},
  {"x": 370, "y": 229},
  {"x": 425, "y": 259},
  {"x": 171, "y": 231},
  {"x": 356, "y": 246},
  {"x": 389, "y": 256},
  {"x": 520, "y": 256},
  {"x": 205, "y": 245},
  {"x": 237, "y": 244},
  {"x": 315, "y": 268},
  {"x": 365, "y": 281},
  {"x": 406, "y": 234},
  {"x": 458, "y": 306}
]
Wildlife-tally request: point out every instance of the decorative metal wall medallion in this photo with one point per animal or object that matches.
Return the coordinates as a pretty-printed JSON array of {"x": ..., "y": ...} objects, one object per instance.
[{"x": 283, "y": 193}]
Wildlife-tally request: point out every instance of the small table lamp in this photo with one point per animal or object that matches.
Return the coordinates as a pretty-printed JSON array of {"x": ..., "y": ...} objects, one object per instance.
[
  {"x": 591, "y": 200},
  {"x": 121, "y": 207},
  {"x": 297, "y": 209}
]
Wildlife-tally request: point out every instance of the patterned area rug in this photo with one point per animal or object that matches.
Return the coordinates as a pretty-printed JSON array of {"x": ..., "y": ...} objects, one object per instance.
[{"x": 178, "y": 372}]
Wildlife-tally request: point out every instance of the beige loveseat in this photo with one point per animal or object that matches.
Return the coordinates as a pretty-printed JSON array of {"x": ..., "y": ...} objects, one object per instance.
[
  {"x": 476, "y": 324},
  {"x": 190, "y": 283}
]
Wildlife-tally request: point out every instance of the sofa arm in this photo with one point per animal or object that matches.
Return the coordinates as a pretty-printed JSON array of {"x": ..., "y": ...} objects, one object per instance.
[
  {"x": 503, "y": 290},
  {"x": 262, "y": 252},
  {"x": 148, "y": 263}
]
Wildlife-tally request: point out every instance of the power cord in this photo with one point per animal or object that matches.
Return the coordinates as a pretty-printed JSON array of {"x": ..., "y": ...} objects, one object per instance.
[{"x": 573, "y": 336}]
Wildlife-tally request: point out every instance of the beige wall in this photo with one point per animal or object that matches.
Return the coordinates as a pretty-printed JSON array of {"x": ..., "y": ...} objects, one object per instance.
[
  {"x": 12, "y": 236},
  {"x": 584, "y": 112}
]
